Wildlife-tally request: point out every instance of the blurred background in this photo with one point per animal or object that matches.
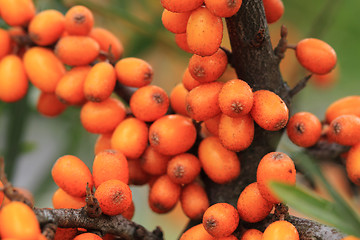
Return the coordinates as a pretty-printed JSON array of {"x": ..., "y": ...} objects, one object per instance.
[{"x": 31, "y": 143}]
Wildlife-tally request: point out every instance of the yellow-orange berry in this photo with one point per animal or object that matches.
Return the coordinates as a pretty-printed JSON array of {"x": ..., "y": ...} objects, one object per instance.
[
  {"x": 153, "y": 162},
  {"x": 197, "y": 232},
  {"x": 181, "y": 6},
  {"x": 316, "y": 55},
  {"x": 352, "y": 164},
  {"x": 100, "y": 82},
  {"x": 202, "y": 24},
  {"x": 129, "y": 213},
  {"x": 134, "y": 72},
  {"x": 180, "y": 139},
  {"x": 345, "y": 130},
  {"x": 130, "y": 137},
  {"x": 61, "y": 199},
  {"x": 350, "y": 238},
  {"x": 87, "y": 236},
  {"x": 274, "y": 166},
  {"x": 221, "y": 165},
  {"x": 65, "y": 233},
  {"x": 72, "y": 175},
  {"x": 137, "y": 176},
  {"x": 17, "y": 12},
  {"x": 251, "y": 205},
  {"x": 280, "y": 230},
  {"x": 344, "y": 106},
  {"x": 13, "y": 79},
  {"x": 188, "y": 81},
  {"x": 269, "y": 111},
  {"x": 5, "y": 43},
  {"x": 252, "y": 234},
  {"x": 183, "y": 168},
  {"x": 212, "y": 124},
  {"x": 304, "y": 129},
  {"x": 181, "y": 41},
  {"x": 108, "y": 165},
  {"x": 79, "y": 20},
  {"x": 108, "y": 42},
  {"x": 149, "y": 103},
  {"x": 114, "y": 197},
  {"x": 49, "y": 105},
  {"x": 175, "y": 22},
  {"x": 177, "y": 99},
  {"x": 220, "y": 219},
  {"x": 223, "y": 8},
  {"x": 103, "y": 142},
  {"x": 194, "y": 200},
  {"x": 274, "y": 9}
]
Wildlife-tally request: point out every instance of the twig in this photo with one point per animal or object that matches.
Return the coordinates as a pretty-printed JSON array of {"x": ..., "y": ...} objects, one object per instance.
[
  {"x": 282, "y": 45},
  {"x": 92, "y": 207},
  {"x": 301, "y": 84},
  {"x": 49, "y": 230}
]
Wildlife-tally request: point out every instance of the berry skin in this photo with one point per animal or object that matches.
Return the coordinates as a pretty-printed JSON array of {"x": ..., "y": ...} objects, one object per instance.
[
  {"x": 61, "y": 199},
  {"x": 316, "y": 55},
  {"x": 181, "y": 41},
  {"x": 49, "y": 105},
  {"x": 345, "y": 130},
  {"x": 188, "y": 81},
  {"x": 13, "y": 79},
  {"x": 72, "y": 175},
  {"x": 220, "y": 219},
  {"x": 208, "y": 68},
  {"x": 180, "y": 139},
  {"x": 14, "y": 15},
  {"x": 274, "y": 166},
  {"x": 103, "y": 142},
  {"x": 183, "y": 168},
  {"x": 252, "y": 234},
  {"x": 107, "y": 41},
  {"x": 153, "y": 162},
  {"x": 178, "y": 99},
  {"x": 269, "y": 111},
  {"x": 134, "y": 72},
  {"x": 47, "y": 27},
  {"x": 87, "y": 236},
  {"x": 102, "y": 117},
  {"x": 223, "y": 8},
  {"x": 212, "y": 124},
  {"x": 65, "y": 233},
  {"x": 194, "y": 200},
  {"x": 164, "y": 194},
  {"x": 197, "y": 232},
  {"x": 221, "y": 165},
  {"x": 236, "y": 98},
  {"x": 108, "y": 165},
  {"x": 280, "y": 230},
  {"x": 114, "y": 197},
  {"x": 79, "y": 20},
  {"x": 130, "y": 138},
  {"x": 137, "y": 176},
  {"x": 304, "y": 129},
  {"x": 251, "y": 205},
  {"x": 5, "y": 43},
  {"x": 344, "y": 106},
  {"x": 274, "y": 9},
  {"x": 181, "y": 6},
  {"x": 350, "y": 238},
  {"x": 175, "y": 22},
  {"x": 149, "y": 103},
  {"x": 352, "y": 164},
  {"x": 202, "y": 24}
]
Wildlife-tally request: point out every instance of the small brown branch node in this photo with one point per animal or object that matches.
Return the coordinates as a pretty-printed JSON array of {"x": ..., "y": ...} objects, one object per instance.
[
  {"x": 92, "y": 207},
  {"x": 259, "y": 38},
  {"x": 282, "y": 44},
  {"x": 281, "y": 212},
  {"x": 301, "y": 84}
]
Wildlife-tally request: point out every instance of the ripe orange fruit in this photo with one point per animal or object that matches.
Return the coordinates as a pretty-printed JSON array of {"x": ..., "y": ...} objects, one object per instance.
[
  {"x": 280, "y": 230},
  {"x": 274, "y": 9},
  {"x": 107, "y": 42},
  {"x": 17, "y": 12},
  {"x": 183, "y": 168},
  {"x": 79, "y": 20},
  {"x": 343, "y": 106},
  {"x": 194, "y": 200},
  {"x": 252, "y": 234},
  {"x": 345, "y": 130},
  {"x": 175, "y": 22},
  {"x": 181, "y": 6},
  {"x": 352, "y": 164},
  {"x": 153, "y": 162},
  {"x": 197, "y": 232},
  {"x": 61, "y": 199},
  {"x": 134, "y": 72},
  {"x": 223, "y": 8},
  {"x": 87, "y": 236}
]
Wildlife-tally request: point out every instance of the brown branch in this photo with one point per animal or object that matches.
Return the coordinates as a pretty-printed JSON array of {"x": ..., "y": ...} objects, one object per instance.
[
  {"x": 282, "y": 45},
  {"x": 116, "y": 225},
  {"x": 299, "y": 86}
]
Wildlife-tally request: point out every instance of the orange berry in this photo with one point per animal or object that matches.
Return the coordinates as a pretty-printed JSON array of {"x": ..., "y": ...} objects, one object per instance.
[
  {"x": 236, "y": 98},
  {"x": 350, "y": 238},
  {"x": 102, "y": 117},
  {"x": 103, "y": 142},
  {"x": 107, "y": 42},
  {"x": 87, "y": 236},
  {"x": 134, "y": 72},
  {"x": 326, "y": 80},
  {"x": 208, "y": 68},
  {"x": 49, "y": 105},
  {"x": 77, "y": 50},
  {"x": 164, "y": 194},
  {"x": 352, "y": 164},
  {"x": 269, "y": 111},
  {"x": 17, "y": 12},
  {"x": 149, "y": 103},
  {"x": 344, "y": 106},
  {"x": 194, "y": 200},
  {"x": 13, "y": 79},
  {"x": 47, "y": 27},
  {"x": 212, "y": 125},
  {"x": 220, "y": 164},
  {"x": 79, "y": 20},
  {"x": 223, "y": 8},
  {"x": 274, "y": 166},
  {"x": 65, "y": 233},
  {"x": 70, "y": 88},
  {"x": 108, "y": 165},
  {"x": 129, "y": 213},
  {"x": 130, "y": 137},
  {"x": 252, "y": 234},
  {"x": 236, "y": 134},
  {"x": 202, "y": 102},
  {"x": 43, "y": 68},
  {"x": 304, "y": 129},
  {"x": 153, "y": 162},
  {"x": 197, "y": 232},
  {"x": 61, "y": 199},
  {"x": 137, "y": 176},
  {"x": 181, "y": 6},
  {"x": 202, "y": 24},
  {"x": 188, "y": 81},
  {"x": 172, "y": 134},
  {"x": 251, "y": 205},
  {"x": 230, "y": 237},
  {"x": 183, "y": 168},
  {"x": 274, "y": 9},
  {"x": 345, "y": 130},
  {"x": 175, "y": 22},
  {"x": 220, "y": 219},
  {"x": 316, "y": 55},
  {"x": 5, "y": 43},
  {"x": 280, "y": 230},
  {"x": 100, "y": 82},
  {"x": 114, "y": 197},
  {"x": 177, "y": 99},
  {"x": 1, "y": 193},
  {"x": 181, "y": 41},
  {"x": 18, "y": 221},
  {"x": 72, "y": 175}
]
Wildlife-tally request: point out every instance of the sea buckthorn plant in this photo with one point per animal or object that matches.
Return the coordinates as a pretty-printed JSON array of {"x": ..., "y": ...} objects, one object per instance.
[{"x": 210, "y": 144}]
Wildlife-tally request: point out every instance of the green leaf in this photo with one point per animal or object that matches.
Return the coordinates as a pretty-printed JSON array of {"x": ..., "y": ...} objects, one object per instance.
[{"x": 306, "y": 202}]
